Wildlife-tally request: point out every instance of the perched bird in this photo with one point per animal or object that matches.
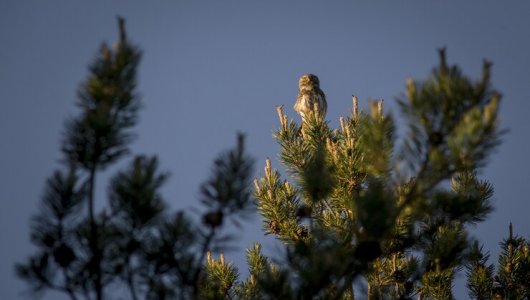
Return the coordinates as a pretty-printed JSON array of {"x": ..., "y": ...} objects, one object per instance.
[{"x": 310, "y": 97}]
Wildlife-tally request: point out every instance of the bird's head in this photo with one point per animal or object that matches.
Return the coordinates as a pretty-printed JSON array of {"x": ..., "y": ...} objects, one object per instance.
[{"x": 308, "y": 80}]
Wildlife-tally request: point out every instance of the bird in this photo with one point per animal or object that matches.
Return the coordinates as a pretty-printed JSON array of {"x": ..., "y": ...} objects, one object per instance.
[{"x": 310, "y": 97}]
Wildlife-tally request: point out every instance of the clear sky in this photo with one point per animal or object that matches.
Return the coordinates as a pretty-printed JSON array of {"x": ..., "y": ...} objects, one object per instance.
[{"x": 212, "y": 68}]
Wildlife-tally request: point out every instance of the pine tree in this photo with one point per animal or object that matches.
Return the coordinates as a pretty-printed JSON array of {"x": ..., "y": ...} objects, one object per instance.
[
  {"x": 133, "y": 244},
  {"x": 512, "y": 279},
  {"x": 352, "y": 209},
  {"x": 356, "y": 208}
]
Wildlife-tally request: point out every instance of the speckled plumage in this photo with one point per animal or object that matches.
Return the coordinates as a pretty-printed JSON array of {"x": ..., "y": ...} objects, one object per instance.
[{"x": 310, "y": 97}]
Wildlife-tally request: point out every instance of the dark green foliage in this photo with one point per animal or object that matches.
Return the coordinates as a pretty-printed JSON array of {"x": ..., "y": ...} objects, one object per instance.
[
  {"x": 133, "y": 194},
  {"x": 52, "y": 231},
  {"x": 133, "y": 244},
  {"x": 280, "y": 204},
  {"x": 109, "y": 106},
  {"x": 479, "y": 274},
  {"x": 512, "y": 278},
  {"x": 379, "y": 216},
  {"x": 220, "y": 278},
  {"x": 452, "y": 122},
  {"x": 227, "y": 191},
  {"x": 375, "y": 209},
  {"x": 513, "y": 272}
]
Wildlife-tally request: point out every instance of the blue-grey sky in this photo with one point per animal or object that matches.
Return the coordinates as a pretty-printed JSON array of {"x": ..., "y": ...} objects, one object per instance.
[{"x": 212, "y": 68}]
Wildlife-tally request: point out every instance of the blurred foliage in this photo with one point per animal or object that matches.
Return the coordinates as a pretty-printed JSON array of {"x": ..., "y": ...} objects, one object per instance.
[{"x": 133, "y": 243}]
